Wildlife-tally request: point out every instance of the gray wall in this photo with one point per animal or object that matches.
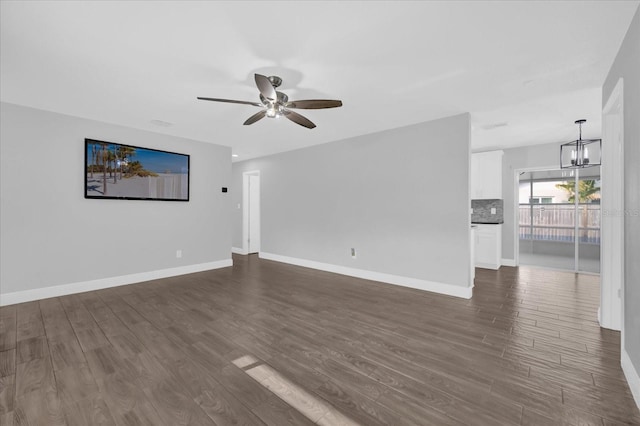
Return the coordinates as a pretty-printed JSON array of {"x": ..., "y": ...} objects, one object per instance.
[
  {"x": 400, "y": 197},
  {"x": 542, "y": 156},
  {"x": 51, "y": 235},
  {"x": 627, "y": 66}
]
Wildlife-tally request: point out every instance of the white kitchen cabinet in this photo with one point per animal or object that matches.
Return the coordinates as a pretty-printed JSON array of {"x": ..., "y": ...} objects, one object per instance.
[
  {"x": 488, "y": 246},
  {"x": 486, "y": 175}
]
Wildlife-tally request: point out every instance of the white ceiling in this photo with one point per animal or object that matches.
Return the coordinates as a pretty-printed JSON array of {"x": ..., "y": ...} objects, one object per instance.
[{"x": 525, "y": 70}]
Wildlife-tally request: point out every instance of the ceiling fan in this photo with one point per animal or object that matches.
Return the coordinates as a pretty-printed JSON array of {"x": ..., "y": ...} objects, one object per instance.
[{"x": 276, "y": 104}]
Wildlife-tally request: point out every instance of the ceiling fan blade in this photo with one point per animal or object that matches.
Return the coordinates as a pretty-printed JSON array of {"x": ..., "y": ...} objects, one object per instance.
[
  {"x": 299, "y": 119},
  {"x": 314, "y": 104},
  {"x": 265, "y": 87},
  {"x": 255, "y": 117},
  {"x": 231, "y": 101}
]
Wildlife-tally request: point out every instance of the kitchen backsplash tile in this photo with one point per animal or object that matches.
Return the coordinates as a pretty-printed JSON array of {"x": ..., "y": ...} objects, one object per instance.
[{"x": 482, "y": 211}]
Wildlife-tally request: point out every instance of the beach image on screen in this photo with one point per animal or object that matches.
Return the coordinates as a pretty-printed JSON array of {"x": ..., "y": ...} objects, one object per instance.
[{"x": 124, "y": 171}]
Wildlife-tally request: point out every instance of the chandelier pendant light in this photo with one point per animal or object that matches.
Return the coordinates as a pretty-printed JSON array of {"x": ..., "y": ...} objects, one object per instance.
[{"x": 581, "y": 153}]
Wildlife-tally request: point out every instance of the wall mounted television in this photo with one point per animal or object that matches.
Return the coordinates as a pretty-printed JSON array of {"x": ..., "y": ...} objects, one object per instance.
[{"x": 127, "y": 172}]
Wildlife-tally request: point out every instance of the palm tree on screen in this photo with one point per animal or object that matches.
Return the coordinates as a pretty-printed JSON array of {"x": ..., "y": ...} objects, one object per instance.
[
  {"x": 125, "y": 153},
  {"x": 587, "y": 191},
  {"x": 104, "y": 158},
  {"x": 94, "y": 155}
]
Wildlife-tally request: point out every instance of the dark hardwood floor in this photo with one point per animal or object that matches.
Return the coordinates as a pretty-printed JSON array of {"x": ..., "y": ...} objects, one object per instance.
[{"x": 269, "y": 343}]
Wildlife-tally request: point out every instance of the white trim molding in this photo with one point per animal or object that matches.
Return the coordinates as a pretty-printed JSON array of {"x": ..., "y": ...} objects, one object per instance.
[
  {"x": 632, "y": 376},
  {"x": 492, "y": 266},
  {"x": 83, "y": 286},
  {"x": 612, "y": 285},
  {"x": 245, "y": 208},
  {"x": 435, "y": 287},
  {"x": 508, "y": 262},
  {"x": 238, "y": 250}
]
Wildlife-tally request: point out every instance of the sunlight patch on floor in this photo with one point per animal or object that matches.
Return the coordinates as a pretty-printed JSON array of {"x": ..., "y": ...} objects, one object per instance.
[
  {"x": 245, "y": 361},
  {"x": 315, "y": 409}
]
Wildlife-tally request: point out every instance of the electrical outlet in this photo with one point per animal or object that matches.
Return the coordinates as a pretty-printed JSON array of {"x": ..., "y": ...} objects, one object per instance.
[
  {"x": 353, "y": 253},
  {"x": 178, "y": 254},
  {"x": 493, "y": 210}
]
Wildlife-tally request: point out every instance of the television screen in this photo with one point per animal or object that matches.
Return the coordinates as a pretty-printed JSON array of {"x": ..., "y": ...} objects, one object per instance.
[{"x": 117, "y": 171}]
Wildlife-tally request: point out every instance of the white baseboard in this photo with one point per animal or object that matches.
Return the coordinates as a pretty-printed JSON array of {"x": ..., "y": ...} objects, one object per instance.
[
  {"x": 81, "y": 287},
  {"x": 632, "y": 376},
  {"x": 237, "y": 250},
  {"x": 508, "y": 262},
  {"x": 435, "y": 287},
  {"x": 487, "y": 266}
]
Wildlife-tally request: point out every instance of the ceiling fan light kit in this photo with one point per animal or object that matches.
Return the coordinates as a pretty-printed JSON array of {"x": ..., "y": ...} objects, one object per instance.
[
  {"x": 276, "y": 104},
  {"x": 581, "y": 153}
]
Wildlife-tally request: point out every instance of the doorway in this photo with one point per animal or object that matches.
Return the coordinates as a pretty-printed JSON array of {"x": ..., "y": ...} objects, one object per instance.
[
  {"x": 559, "y": 219},
  {"x": 251, "y": 212}
]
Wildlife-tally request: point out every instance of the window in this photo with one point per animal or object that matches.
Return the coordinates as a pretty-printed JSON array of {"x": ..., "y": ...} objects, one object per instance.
[{"x": 553, "y": 224}]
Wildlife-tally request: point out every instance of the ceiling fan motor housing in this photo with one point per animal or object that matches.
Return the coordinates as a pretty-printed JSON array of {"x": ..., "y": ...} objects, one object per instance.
[
  {"x": 275, "y": 80},
  {"x": 282, "y": 99}
]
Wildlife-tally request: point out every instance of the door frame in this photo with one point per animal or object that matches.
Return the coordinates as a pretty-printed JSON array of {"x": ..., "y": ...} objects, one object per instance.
[
  {"x": 245, "y": 208},
  {"x": 611, "y": 310}
]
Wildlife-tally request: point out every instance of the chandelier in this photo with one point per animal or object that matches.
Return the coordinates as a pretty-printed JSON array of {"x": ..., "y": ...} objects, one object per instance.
[{"x": 581, "y": 152}]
